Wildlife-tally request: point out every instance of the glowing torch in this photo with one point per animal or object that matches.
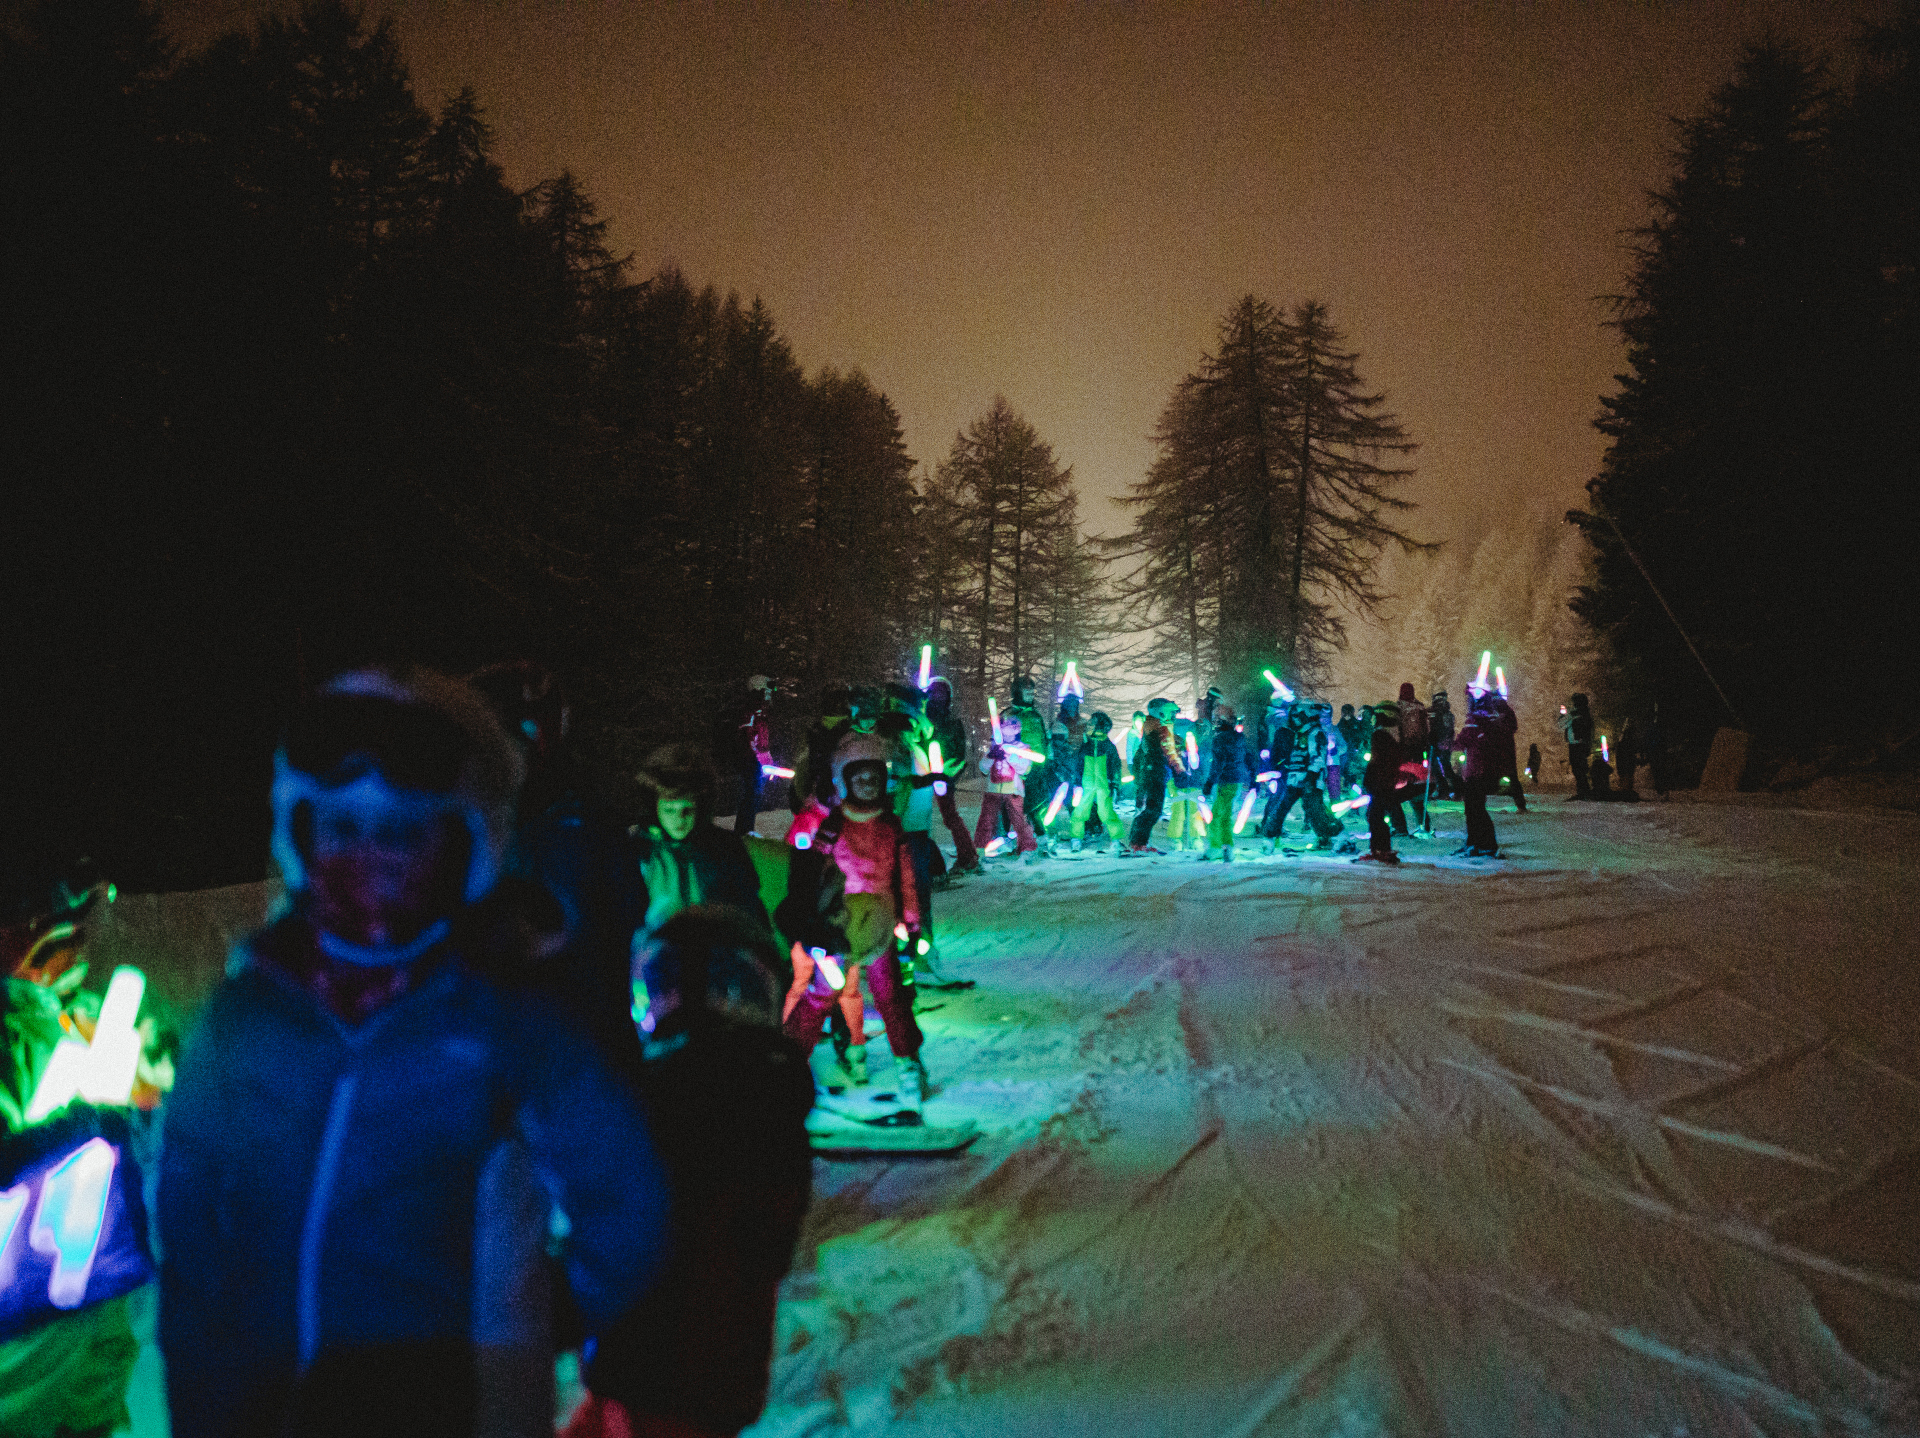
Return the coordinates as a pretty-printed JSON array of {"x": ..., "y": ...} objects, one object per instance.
[{"x": 926, "y": 665}]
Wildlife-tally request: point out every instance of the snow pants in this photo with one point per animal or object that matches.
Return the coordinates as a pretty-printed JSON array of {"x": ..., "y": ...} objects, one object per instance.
[
  {"x": 870, "y": 944},
  {"x": 1183, "y": 818},
  {"x": 928, "y": 863},
  {"x": 1312, "y": 799},
  {"x": 1035, "y": 796},
  {"x": 1379, "y": 836},
  {"x": 965, "y": 856},
  {"x": 1479, "y": 823},
  {"x": 1097, "y": 800},
  {"x": 995, "y": 807},
  {"x": 1226, "y": 804},
  {"x": 743, "y": 818},
  {"x": 1152, "y": 791},
  {"x": 1577, "y": 758}
]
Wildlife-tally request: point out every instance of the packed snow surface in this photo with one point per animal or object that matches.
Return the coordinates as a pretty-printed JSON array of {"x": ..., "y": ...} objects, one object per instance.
[{"x": 1618, "y": 1136}]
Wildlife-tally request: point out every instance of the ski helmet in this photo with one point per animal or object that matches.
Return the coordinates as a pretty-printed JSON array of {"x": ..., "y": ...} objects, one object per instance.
[
  {"x": 1102, "y": 721},
  {"x": 389, "y": 739},
  {"x": 859, "y": 749}
]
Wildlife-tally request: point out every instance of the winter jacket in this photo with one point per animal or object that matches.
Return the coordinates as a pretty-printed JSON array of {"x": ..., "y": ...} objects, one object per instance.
[
  {"x": 951, "y": 735},
  {"x": 1033, "y": 727},
  {"x": 1441, "y": 722},
  {"x": 1385, "y": 756},
  {"x": 318, "y": 1184},
  {"x": 709, "y": 866},
  {"x": 1007, "y": 772},
  {"x": 872, "y": 854},
  {"x": 1187, "y": 777},
  {"x": 813, "y": 771},
  {"x": 1096, "y": 762},
  {"x": 729, "y": 1107},
  {"x": 1228, "y": 760},
  {"x": 1487, "y": 741},
  {"x": 1158, "y": 754},
  {"x": 1577, "y": 725},
  {"x": 1416, "y": 728},
  {"x": 911, "y": 775}
]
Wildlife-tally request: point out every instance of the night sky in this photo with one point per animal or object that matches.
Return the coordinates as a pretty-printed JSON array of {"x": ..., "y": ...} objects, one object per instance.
[{"x": 1058, "y": 203}]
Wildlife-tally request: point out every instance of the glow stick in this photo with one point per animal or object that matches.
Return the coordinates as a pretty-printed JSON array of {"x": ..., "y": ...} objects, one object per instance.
[
  {"x": 937, "y": 765},
  {"x": 1076, "y": 796},
  {"x": 900, "y": 932},
  {"x": 1278, "y": 688},
  {"x": 1025, "y": 753},
  {"x": 1265, "y": 775},
  {"x": 1500, "y": 678},
  {"x": 1193, "y": 752},
  {"x": 1059, "y": 798},
  {"x": 1246, "y": 809},
  {"x": 1206, "y": 810},
  {"x": 1603, "y": 749},
  {"x": 1346, "y": 804},
  {"x": 114, "y": 1057},
  {"x": 774, "y": 771},
  {"x": 994, "y": 846},
  {"x": 1073, "y": 678},
  {"x": 926, "y": 665},
  {"x": 829, "y": 968},
  {"x": 1480, "y": 679},
  {"x": 993, "y": 718}
]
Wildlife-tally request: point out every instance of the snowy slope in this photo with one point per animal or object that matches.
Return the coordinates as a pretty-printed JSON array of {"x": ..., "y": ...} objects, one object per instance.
[{"x": 1618, "y": 1138}]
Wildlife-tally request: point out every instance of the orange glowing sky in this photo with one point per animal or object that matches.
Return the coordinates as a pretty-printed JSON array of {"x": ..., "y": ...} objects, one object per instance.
[{"x": 1058, "y": 202}]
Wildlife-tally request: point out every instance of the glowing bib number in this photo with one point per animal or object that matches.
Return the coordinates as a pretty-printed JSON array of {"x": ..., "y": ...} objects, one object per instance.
[{"x": 66, "y": 1235}]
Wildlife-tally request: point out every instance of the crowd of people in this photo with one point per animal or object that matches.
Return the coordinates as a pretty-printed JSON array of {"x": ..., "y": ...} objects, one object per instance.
[{"x": 507, "y": 1074}]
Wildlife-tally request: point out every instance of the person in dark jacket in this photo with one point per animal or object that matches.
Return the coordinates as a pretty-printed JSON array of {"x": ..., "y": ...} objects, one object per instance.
[
  {"x": 684, "y": 858},
  {"x": 1381, "y": 777},
  {"x": 341, "y": 1253},
  {"x": 1441, "y": 726},
  {"x": 951, "y": 735},
  {"x": 728, "y": 1096},
  {"x": 1353, "y": 730},
  {"x": 1304, "y": 783},
  {"x": 1158, "y": 760},
  {"x": 813, "y": 769},
  {"x": 1230, "y": 769},
  {"x": 1487, "y": 742},
  {"x": 1627, "y": 756},
  {"x": 1576, "y": 723},
  {"x": 743, "y": 746},
  {"x": 575, "y": 855}
]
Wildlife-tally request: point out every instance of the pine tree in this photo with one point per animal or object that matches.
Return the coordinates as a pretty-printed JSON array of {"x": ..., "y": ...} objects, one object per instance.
[
  {"x": 1268, "y": 504},
  {"x": 1015, "y": 511}
]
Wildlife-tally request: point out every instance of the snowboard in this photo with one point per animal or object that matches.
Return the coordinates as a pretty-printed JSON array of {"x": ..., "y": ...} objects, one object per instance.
[{"x": 880, "y": 1124}]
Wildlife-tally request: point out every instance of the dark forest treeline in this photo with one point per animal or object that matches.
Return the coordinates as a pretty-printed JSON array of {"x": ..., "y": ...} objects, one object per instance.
[
  {"x": 1762, "y": 459},
  {"x": 295, "y": 379}
]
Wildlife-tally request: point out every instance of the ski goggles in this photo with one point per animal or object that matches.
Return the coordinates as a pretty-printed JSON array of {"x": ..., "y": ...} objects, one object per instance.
[{"x": 339, "y": 737}]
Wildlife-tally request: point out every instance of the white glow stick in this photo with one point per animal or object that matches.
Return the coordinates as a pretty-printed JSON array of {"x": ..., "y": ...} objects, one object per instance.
[
  {"x": 1246, "y": 810},
  {"x": 1076, "y": 796},
  {"x": 1480, "y": 679},
  {"x": 1278, "y": 688},
  {"x": 1500, "y": 679},
  {"x": 926, "y": 665},
  {"x": 829, "y": 968},
  {"x": 937, "y": 765},
  {"x": 1025, "y": 753},
  {"x": 993, "y": 718},
  {"x": 1346, "y": 804},
  {"x": 1603, "y": 749},
  {"x": 994, "y": 846},
  {"x": 1059, "y": 798},
  {"x": 1193, "y": 752},
  {"x": 775, "y": 771},
  {"x": 1206, "y": 810}
]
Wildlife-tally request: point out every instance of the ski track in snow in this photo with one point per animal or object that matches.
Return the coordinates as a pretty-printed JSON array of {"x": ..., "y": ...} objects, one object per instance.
[{"x": 1622, "y": 1137}]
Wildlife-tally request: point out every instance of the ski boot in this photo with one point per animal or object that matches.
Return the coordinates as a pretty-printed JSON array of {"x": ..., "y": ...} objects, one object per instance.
[{"x": 911, "y": 1078}]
